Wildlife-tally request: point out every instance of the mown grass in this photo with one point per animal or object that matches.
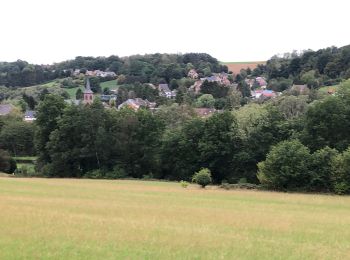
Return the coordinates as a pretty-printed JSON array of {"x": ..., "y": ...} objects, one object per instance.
[{"x": 102, "y": 219}]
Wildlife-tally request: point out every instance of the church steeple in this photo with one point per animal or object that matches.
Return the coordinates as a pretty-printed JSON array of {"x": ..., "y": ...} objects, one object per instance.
[{"x": 88, "y": 94}]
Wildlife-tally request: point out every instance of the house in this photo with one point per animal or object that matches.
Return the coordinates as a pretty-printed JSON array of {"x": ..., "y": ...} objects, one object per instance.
[
  {"x": 221, "y": 78},
  {"x": 264, "y": 93},
  {"x": 5, "y": 109},
  {"x": 261, "y": 81},
  {"x": 164, "y": 91},
  {"x": 136, "y": 103},
  {"x": 300, "y": 89},
  {"x": 192, "y": 74},
  {"x": 104, "y": 74},
  {"x": 107, "y": 98},
  {"x": 76, "y": 72},
  {"x": 29, "y": 116}
]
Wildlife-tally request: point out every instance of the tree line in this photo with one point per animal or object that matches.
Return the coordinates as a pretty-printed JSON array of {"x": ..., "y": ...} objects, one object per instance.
[{"x": 154, "y": 68}]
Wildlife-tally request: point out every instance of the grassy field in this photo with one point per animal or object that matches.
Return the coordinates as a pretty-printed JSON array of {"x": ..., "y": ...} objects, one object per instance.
[
  {"x": 102, "y": 219},
  {"x": 112, "y": 84}
]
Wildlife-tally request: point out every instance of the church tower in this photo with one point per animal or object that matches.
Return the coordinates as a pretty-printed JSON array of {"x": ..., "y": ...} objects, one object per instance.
[{"x": 88, "y": 94}]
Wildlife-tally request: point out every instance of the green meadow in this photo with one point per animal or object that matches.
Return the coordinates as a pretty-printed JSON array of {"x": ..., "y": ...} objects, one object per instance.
[{"x": 127, "y": 219}]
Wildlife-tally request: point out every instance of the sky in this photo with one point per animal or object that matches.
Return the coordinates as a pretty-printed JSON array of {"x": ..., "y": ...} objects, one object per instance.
[{"x": 47, "y": 31}]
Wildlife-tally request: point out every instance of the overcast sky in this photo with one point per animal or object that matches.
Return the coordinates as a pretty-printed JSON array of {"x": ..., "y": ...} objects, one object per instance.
[{"x": 46, "y": 31}]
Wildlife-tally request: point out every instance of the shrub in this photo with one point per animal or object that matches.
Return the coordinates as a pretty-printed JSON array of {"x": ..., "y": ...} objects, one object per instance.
[
  {"x": 117, "y": 173},
  {"x": 184, "y": 184},
  {"x": 203, "y": 177},
  {"x": 94, "y": 174},
  {"x": 147, "y": 176},
  {"x": 242, "y": 181},
  {"x": 246, "y": 186}
]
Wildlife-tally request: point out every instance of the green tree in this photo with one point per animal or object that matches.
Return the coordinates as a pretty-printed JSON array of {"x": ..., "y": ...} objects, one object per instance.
[
  {"x": 49, "y": 112},
  {"x": 206, "y": 100},
  {"x": 244, "y": 88},
  {"x": 7, "y": 164},
  {"x": 219, "y": 144},
  {"x": 340, "y": 173},
  {"x": 321, "y": 169},
  {"x": 287, "y": 167},
  {"x": 17, "y": 137},
  {"x": 79, "y": 94}
]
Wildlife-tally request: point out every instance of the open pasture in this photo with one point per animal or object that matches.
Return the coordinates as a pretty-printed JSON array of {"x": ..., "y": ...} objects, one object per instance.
[{"x": 126, "y": 219}]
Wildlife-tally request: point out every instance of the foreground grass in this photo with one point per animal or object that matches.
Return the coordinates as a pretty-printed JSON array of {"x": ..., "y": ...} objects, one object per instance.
[{"x": 99, "y": 219}]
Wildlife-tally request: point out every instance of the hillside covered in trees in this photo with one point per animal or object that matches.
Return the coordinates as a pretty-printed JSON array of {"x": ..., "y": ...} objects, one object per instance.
[{"x": 154, "y": 68}]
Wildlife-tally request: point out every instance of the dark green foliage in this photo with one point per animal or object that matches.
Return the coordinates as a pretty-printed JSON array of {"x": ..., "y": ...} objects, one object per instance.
[
  {"x": 49, "y": 112},
  {"x": 7, "y": 164},
  {"x": 327, "y": 123},
  {"x": 287, "y": 167},
  {"x": 95, "y": 85},
  {"x": 214, "y": 88},
  {"x": 341, "y": 173},
  {"x": 180, "y": 155},
  {"x": 17, "y": 137},
  {"x": 244, "y": 88},
  {"x": 219, "y": 144},
  {"x": 79, "y": 94},
  {"x": 203, "y": 177},
  {"x": 30, "y": 101},
  {"x": 321, "y": 169},
  {"x": 311, "y": 67}
]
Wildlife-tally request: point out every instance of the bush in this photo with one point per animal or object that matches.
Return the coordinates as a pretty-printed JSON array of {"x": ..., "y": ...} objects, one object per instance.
[
  {"x": 94, "y": 174},
  {"x": 117, "y": 173},
  {"x": 184, "y": 184},
  {"x": 203, "y": 177},
  {"x": 246, "y": 186}
]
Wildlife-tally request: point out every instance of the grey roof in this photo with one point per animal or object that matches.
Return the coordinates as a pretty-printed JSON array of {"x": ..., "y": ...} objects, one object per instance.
[
  {"x": 87, "y": 89},
  {"x": 30, "y": 114},
  {"x": 164, "y": 87},
  {"x": 5, "y": 109}
]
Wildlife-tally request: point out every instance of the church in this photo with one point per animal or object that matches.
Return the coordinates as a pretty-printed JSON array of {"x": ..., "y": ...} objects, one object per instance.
[{"x": 88, "y": 94}]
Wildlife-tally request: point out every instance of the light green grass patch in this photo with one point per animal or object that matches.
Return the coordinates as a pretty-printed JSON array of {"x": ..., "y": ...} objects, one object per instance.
[
  {"x": 326, "y": 88},
  {"x": 73, "y": 91},
  {"x": 124, "y": 219},
  {"x": 112, "y": 84}
]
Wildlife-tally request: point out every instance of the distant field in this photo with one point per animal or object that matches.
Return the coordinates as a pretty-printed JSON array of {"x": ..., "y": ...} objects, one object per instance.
[
  {"x": 102, "y": 219},
  {"x": 236, "y": 67}
]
